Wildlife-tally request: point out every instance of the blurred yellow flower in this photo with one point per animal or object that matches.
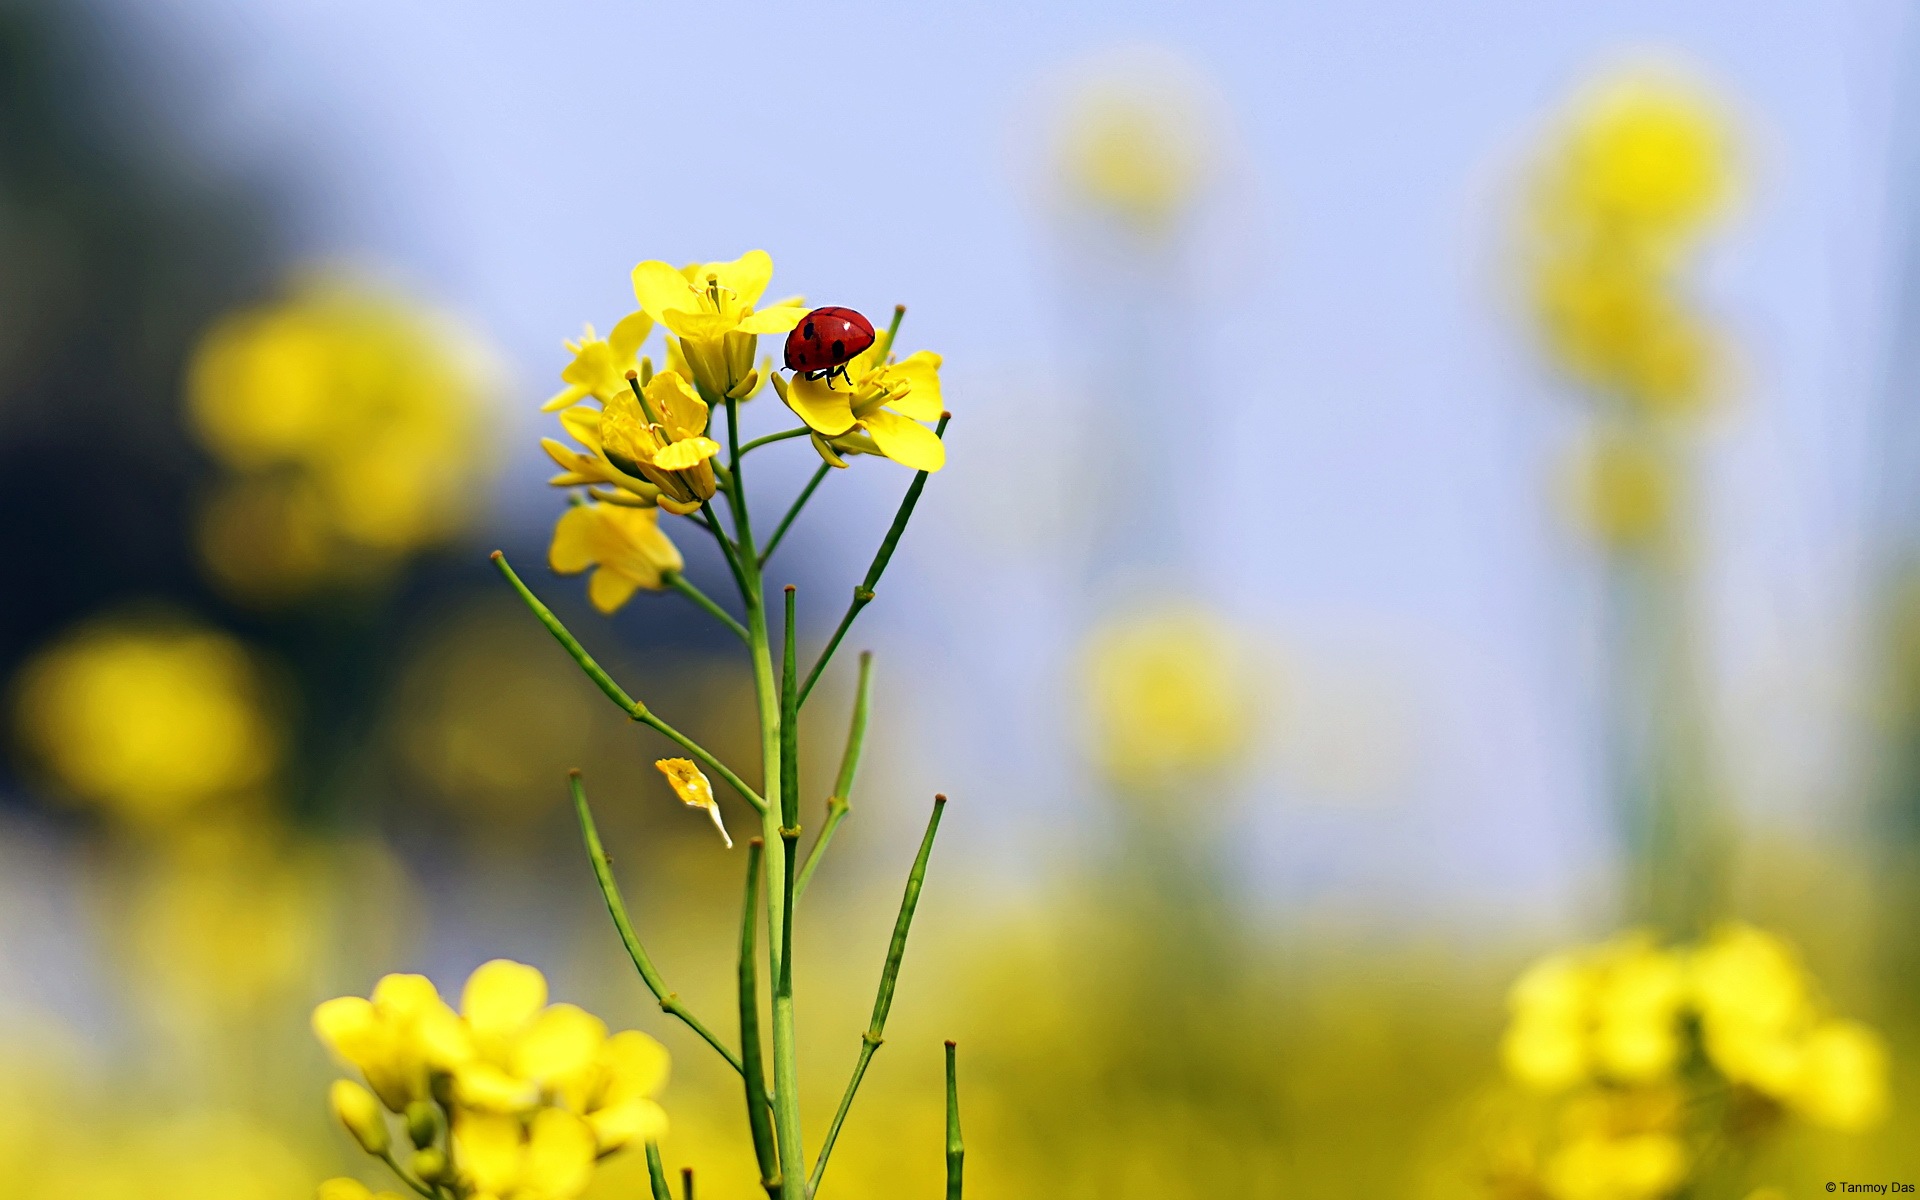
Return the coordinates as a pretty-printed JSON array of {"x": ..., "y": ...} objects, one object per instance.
[
  {"x": 876, "y": 408},
  {"x": 599, "y": 368},
  {"x": 1646, "y": 151},
  {"x": 1171, "y": 698},
  {"x": 663, "y": 441},
  {"x": 352, "y": 1189},
  {"x": 549, "y": 1157},
  {"x": 1842, "y": 1081},
  {"x": 1610, "y": 1012},
  {"x": 625, "y": 546},
  {"x": 395, "y": 1038},
  {"x": 709, "y": 308},
  {"x": 1136, "y": 140},
  {"x": 691, "y": 785},
  {"x": 1643, "y": 162},
  {"x": 148, "y": 721},
  {"x": 370, "y": 404}
]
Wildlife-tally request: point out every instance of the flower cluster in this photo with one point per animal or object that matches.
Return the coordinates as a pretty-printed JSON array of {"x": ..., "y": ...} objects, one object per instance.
[
  {"x": 151, "y": 722},
  {"x": 511, "y": 1098},
  {"x": 1643, "y": 165},
  {"x": 1649, "y": 1052},
  {"x": 352, "y": 423},
  {"x": 643, "y": 439}
]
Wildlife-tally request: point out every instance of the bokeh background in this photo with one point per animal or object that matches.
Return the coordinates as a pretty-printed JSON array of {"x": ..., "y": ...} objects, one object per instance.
[{"x": 1251, "y": 629}]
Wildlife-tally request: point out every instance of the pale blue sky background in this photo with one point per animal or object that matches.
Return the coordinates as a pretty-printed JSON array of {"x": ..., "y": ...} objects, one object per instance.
[{"x": 1368, "y": 415}]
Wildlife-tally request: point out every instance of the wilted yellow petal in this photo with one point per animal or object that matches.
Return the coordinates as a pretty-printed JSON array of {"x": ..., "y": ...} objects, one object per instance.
[
  {"x": 560, "y": 1154},
  {"x": 502, "y": 997},
  {"x": 489, "y": 1149},
  {"x": 906, "y": 442},
  {"x": 694, "y": 790},
  {"x": 562, "y": 1043}
]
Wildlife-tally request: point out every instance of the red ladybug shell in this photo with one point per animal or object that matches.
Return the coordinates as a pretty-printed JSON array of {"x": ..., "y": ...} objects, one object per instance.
[{"x": 826, "y": 338}]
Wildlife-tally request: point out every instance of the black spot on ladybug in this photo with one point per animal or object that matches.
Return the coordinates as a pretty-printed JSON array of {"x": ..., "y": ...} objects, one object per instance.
[
  {"x": 839, "y": 349},
  {"x": 807, "y": 331}
]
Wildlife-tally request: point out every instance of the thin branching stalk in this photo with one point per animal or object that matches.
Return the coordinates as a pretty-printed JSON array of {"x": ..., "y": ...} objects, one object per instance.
[
  {"x": 863, "y": 594},
  {"x": 771, "y": 438},
  {"x": 617, "y": 909},
  {"x": 841, "y": 801},
  {"x": 681, "y": 584},
  {"x": 883, "y": 1001}
]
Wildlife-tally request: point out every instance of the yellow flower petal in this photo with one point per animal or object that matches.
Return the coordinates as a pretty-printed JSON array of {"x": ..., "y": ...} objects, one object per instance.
[
  {"x": 404, "y": 996},
  {"x": 344, "y": 1189},
  {"x": 608, "y": 589},
  {"x": 563, "y": 1042},
  {"x": 485, "y": 1087},
  {"x": 636, "y": 1066},
  {"x": 560, "y": 1154},
  {"x": 574, "y": 540},
  {"x": 1843, "y": 1077},
  {"x": 921, "y": 371},
  {"x": 349, "y": 1027},
  {"x": 906, "y": 442},
  {"x": 571, "y": 394},
  {"x": 502, "y": 997},
  {"x": 628, "y": 333},
  {"x": 661, "y": 289},
  {"x": 746, "y": 277},
  {"x": 772, "y": 320},
  {"x": 825, "y": 407},
  {"x": 678, "y": 406},
  {"x": 684, "y": 454},
  {"x": 635, "y": 1120},
  {"x": 582, "y": 423},
  {"x": 489, "y": 1149},
  {"x": 698, "y": 326}
]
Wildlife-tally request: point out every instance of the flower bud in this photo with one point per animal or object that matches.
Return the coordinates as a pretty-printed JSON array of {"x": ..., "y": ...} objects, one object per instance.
[
  {"x": 430, "y": 1164},
  {"x": 360, "y": 1113},
  {"x": 423, "y": 1122}
]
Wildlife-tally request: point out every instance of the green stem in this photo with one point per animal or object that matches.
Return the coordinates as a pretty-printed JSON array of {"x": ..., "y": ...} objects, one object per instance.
[
  {"x": 800, "y": 502},
  {"x": 893, "y": 331},
  {"x": 617, "y": 909},
  {"x": 703, "y": 754},
  {"x": 657, "y": 1174},
  {"x": 755, "y": 1073},
  {"x": 863, "y": 594},
  {"x": 840, "y": 802},
  {"x": 956, "y": 1150},
  {"x": 771, "y": 438},
  {"x": 679, "y": 583},
  {"x": 727, "y": 549},
  {"x": 883, "y": 1001}
]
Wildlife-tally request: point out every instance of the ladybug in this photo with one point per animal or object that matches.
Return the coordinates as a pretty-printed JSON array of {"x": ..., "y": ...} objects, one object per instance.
[{"x": 825, "y": 341}]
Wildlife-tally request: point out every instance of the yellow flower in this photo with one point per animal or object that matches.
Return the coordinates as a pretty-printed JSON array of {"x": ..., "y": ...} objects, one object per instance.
[
  {"x": 1137, "y": 140},
  {"x": 1622, "y": 329},
  {"x": 1645, "y": 151},
  {"x": 662, "y": 441},
  {"x": 1637, "y": 1010},
  {"x": 626, "y": 545},
  {"x": 1755, "y": 1006},
  {"x": 1170, "y": 697},
  {"x": 876, "y": 408},
  {"x": 523, "y": 1054},
  {"x": 1545, "y": 1044},
  {"x": 691, "y": 785},
  {"x": 149, "y": 722},
  {"x": 356, "y": 1108},
  {"x": 709, "y": 307},
  {"x": 1638, "y": 1166},
  {"x": 549, "y": 1157},
  {"x": 373, "y": 402},
  {"x": 395, "y": 1039},
  {"x": 1842, "y": 1082},
  {"x": 599, "y": 368}
]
